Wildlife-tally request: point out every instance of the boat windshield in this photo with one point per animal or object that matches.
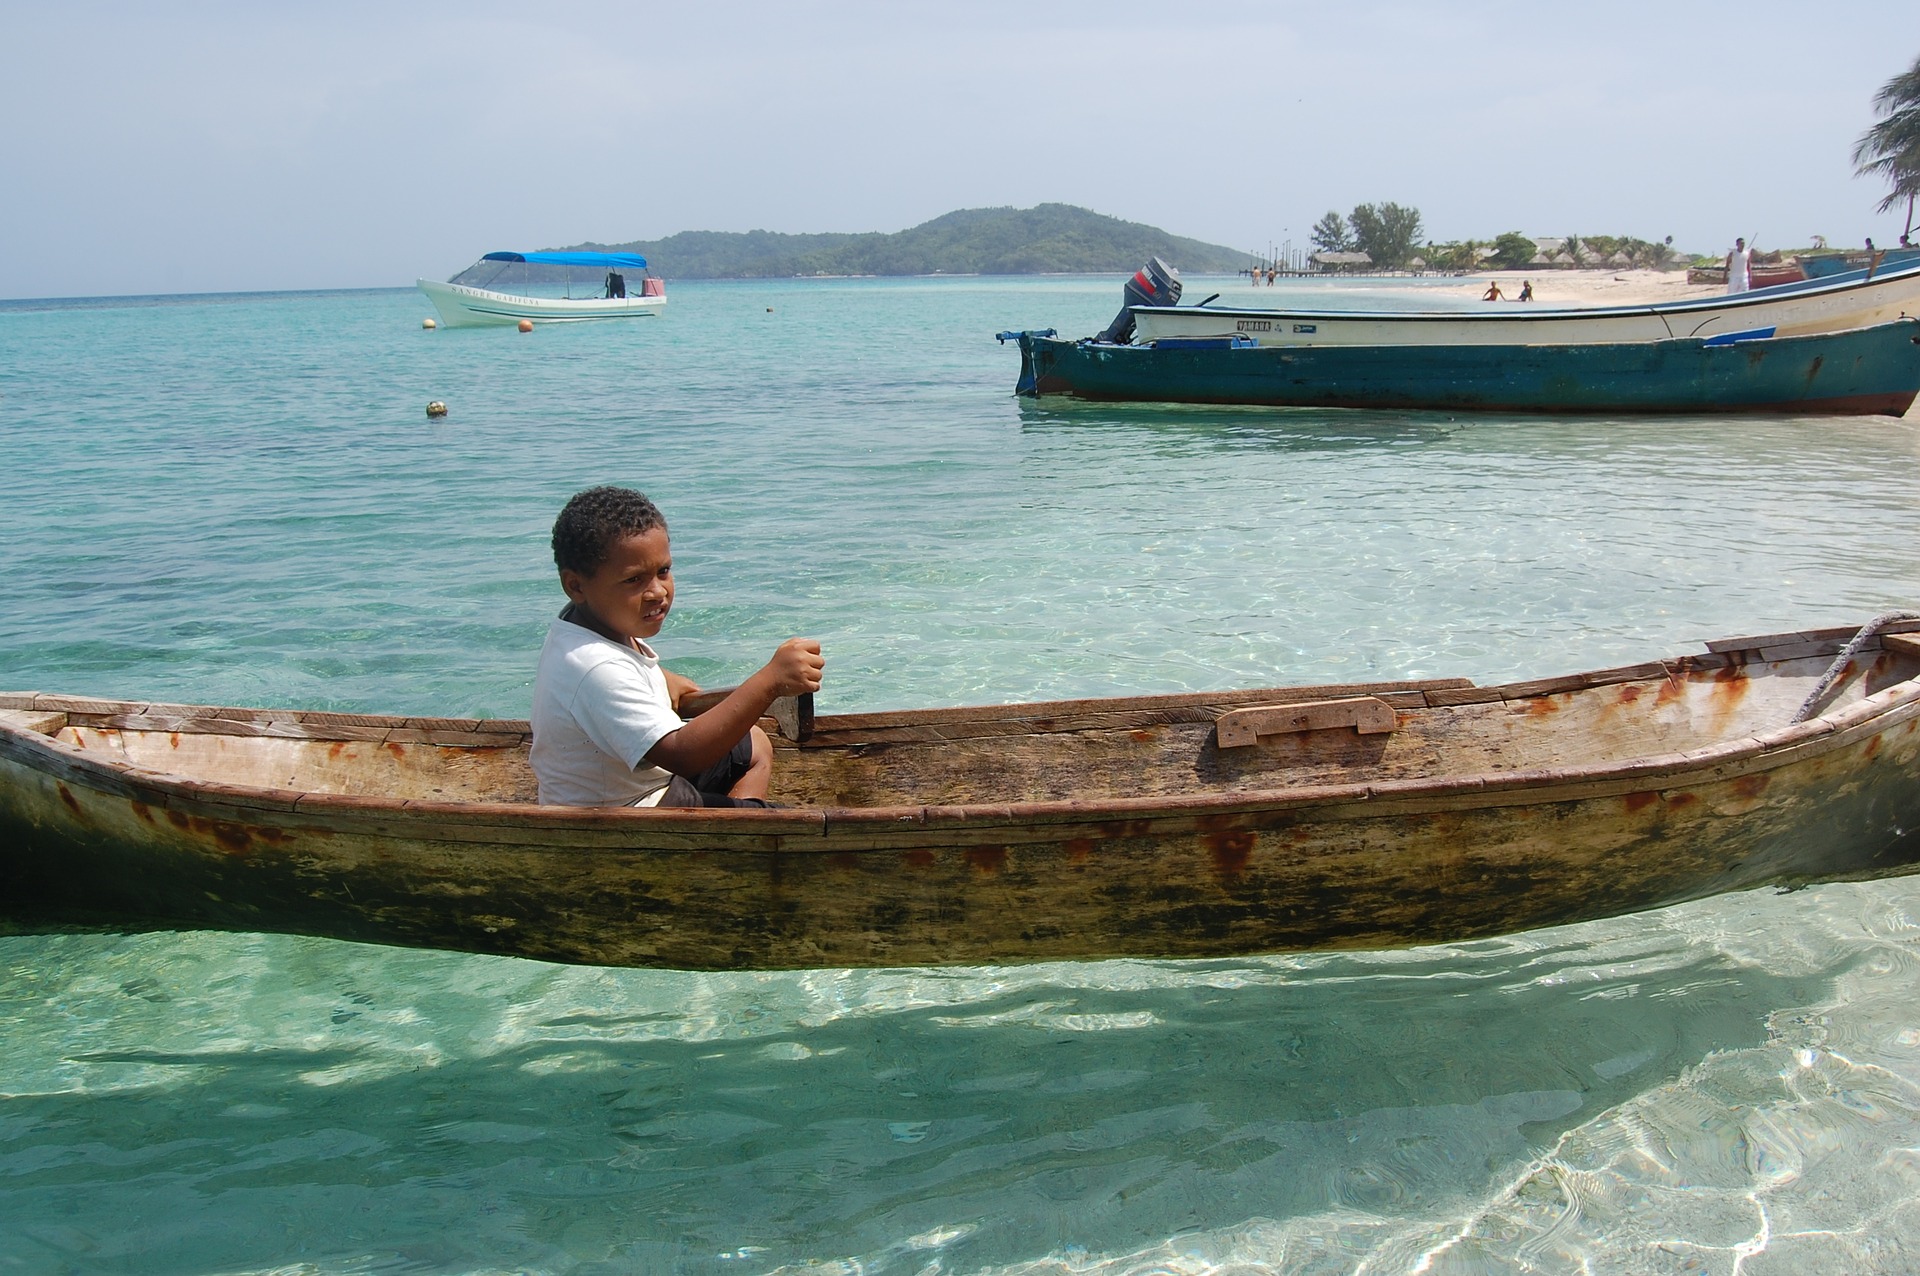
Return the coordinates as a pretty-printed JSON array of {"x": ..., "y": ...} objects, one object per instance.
[{"x": 556, "y": 274}]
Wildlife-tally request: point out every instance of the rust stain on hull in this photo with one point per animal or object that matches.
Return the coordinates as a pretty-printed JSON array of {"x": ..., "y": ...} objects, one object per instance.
[
  {"x": 233, "y": 838},
  {"x": 1230, "y": 850},
  {"x": 987, "y": 860},
  {"x": 1730, "y": 685}
]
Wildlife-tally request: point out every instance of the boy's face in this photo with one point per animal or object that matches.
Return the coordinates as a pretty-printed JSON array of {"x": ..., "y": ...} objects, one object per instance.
[{"x": 631, "y": 592}]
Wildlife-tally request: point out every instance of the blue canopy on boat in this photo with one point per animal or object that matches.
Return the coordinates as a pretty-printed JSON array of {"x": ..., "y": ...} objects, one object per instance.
[{"x": 632, "y": 261}]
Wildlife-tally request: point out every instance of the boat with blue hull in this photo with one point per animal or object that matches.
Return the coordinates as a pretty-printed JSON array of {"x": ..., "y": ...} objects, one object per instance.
[
  {"x": 1824, "y": 266},
  {"x": 1865, "y": 371}
]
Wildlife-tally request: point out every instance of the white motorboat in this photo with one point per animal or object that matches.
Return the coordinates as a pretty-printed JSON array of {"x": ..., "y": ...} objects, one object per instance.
[
  {"x": 467, "y": 300},
  {"x": 1787, "y": 310}
]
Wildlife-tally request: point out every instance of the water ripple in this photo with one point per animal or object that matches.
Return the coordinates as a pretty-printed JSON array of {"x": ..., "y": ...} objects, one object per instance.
[{"x": 241, "y": 502}]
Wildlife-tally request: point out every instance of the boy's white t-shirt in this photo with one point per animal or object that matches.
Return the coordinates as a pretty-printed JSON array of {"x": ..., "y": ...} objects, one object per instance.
[{"x": 597, "y": 708}]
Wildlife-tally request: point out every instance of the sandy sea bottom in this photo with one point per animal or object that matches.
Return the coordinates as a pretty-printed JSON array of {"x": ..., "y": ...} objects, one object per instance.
[{"x": 240, "y": 500}]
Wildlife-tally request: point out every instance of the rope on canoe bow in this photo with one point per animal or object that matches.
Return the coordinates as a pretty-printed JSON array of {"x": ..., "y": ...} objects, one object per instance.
[{"x": 1847, "y": 653}]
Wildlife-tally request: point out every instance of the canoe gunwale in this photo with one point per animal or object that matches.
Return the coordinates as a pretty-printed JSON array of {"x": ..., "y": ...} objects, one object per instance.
[
  {"x": 827, "y": 725},
  {"x": 826, "y": 828},
  {"x": 1788, "y": 644}
]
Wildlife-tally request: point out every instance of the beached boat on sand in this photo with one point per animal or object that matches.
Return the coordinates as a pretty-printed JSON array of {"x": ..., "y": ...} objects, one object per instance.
[
  {"x": 1195, "y": 825},
  {"x": 1759, "y": 275},
  {"x": 1880, "y": 261},
  {"x": 464, "y": 301},
  {"x": 1864, "y": 372},
  {"x": 1788, "y": 310}
]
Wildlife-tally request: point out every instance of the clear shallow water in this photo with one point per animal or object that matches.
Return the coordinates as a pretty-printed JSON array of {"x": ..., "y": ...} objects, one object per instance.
[{"x": 240, "y": 500}]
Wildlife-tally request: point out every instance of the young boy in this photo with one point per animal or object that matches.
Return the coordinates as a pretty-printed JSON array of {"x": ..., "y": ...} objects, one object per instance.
[{"x": 605, "y": 730}]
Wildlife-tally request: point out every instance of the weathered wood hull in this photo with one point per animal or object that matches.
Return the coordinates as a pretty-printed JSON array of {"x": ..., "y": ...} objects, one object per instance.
[
  {"x": 1864, "y": 372},
  {"x": 1488, "y": 810},
  {"x": 1769, "y": 276}
]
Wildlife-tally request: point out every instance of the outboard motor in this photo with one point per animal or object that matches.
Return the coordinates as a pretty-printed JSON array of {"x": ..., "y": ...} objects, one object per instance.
[{"x": 1154, "y": 284}]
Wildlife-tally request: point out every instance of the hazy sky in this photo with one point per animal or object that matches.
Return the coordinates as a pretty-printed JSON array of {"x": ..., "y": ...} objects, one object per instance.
[{"x": 210, "y": 147}]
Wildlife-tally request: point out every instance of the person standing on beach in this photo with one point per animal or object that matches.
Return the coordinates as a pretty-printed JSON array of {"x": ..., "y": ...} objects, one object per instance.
[{"x": 1739, "y": 267}]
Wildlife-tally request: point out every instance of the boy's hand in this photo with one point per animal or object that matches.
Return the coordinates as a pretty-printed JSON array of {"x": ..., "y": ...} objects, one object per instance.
[
  {"x": 796, "y": 667},
  {"x": 678, "y": 687}
]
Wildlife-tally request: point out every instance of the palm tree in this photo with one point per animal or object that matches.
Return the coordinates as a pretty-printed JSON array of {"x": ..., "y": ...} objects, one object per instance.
[{"x": 1891, "y": 148}]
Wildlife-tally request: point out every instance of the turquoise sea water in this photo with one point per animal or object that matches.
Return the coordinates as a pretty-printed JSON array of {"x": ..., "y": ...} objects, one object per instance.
[{"x": 241, "y": 500}]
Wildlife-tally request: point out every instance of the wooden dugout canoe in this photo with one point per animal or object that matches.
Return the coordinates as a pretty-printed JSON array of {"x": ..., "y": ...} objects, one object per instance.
[{"x": 1359, "y": 816}]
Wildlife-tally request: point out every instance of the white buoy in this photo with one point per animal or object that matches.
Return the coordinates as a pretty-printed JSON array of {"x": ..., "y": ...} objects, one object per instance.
[
  {"x": 436, "y": 408},
  {"x": 526, "y": 325},
  {"x": 428, "y": 323}
]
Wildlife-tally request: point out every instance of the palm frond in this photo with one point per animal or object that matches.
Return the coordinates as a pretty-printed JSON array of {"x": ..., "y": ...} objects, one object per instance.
[
  {"x": 1891, "y": 148},
  {"x": 1902, "y": 92},
  {"x": 1889, "y": 137}
]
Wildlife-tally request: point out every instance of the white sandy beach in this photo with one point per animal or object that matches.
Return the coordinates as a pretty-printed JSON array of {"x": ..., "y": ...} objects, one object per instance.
[
  {"x": 1550, "y": 287},
  {"x": 1587, "y": 287}
]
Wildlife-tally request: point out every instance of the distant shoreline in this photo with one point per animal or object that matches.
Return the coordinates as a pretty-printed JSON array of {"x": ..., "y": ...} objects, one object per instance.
[{"x": 1601, "y": 286}]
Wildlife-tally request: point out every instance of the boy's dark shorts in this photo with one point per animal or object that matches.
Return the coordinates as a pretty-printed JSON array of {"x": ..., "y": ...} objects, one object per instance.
[{"x": 709, "y": 788}]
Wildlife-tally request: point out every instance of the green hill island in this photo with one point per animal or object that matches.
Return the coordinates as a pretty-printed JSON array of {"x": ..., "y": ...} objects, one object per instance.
[{"x": 1046, "y": 239}]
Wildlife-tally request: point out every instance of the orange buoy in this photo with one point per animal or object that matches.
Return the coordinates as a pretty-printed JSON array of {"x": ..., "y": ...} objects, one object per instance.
[
  {"x": 428, "y": 323},
  {"x": 526, "y": 325}
]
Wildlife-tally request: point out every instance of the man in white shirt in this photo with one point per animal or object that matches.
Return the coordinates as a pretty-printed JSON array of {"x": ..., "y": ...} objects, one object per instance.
[
  {"x": 1739, "y": 267},
  {"x": 605, "y": 727}
]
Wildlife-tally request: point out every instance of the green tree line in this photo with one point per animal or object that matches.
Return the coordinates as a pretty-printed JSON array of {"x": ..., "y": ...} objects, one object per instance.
[{"x": 1390, "y": 233}]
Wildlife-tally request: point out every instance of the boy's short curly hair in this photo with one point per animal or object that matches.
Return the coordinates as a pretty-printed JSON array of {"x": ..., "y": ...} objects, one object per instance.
[{"x": 593, "y": 520}]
